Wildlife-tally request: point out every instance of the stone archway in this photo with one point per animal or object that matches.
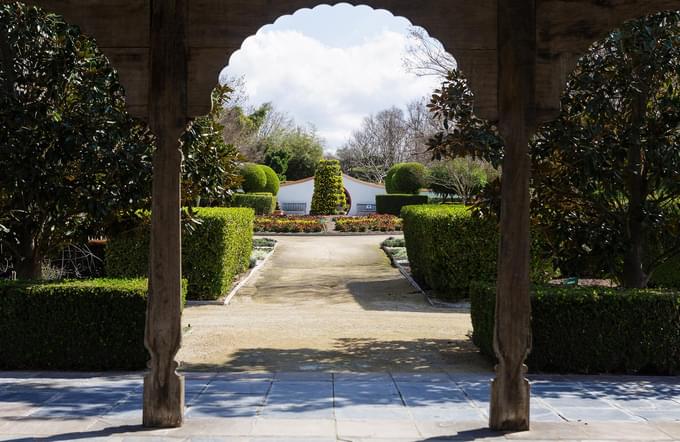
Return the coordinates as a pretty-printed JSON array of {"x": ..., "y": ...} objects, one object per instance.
[{"x": 516, "y": 54}]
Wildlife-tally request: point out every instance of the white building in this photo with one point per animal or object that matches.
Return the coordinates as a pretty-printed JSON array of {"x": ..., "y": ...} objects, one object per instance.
[{"x": 295, "y": 197}]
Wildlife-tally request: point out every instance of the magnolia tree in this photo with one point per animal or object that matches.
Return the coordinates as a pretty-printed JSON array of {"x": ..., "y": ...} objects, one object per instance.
[{"x": 72, "y": 160}]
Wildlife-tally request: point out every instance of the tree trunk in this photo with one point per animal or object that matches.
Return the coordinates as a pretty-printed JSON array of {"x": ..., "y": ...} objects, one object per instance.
[
  {"x": 633, "y": 271},
  {"x": 29, "y": 265}
]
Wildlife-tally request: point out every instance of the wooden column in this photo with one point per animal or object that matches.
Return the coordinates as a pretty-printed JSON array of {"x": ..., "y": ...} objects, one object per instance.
[
  {"x": 517, "y": 120},
  {"x": 163, "y": 387}
]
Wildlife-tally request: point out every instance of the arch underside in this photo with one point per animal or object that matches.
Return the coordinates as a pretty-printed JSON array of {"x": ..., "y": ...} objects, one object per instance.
[{"x": 466, "y": 28}]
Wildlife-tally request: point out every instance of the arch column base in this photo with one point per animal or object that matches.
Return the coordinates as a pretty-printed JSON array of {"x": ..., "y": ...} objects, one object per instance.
[
  {"x": 163, "y": 402},
  {"x": 510, "y": 399}
]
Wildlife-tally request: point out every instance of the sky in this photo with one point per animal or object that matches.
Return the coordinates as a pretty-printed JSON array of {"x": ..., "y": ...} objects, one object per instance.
[{"x": 330, "y": 67}]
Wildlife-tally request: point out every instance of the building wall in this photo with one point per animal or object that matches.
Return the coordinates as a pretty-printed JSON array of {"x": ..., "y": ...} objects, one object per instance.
[{"x": 302, "y": 192}]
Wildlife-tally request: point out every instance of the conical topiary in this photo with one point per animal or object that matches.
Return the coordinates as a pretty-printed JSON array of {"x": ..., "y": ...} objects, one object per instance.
[{"x": 329, "y": 192}]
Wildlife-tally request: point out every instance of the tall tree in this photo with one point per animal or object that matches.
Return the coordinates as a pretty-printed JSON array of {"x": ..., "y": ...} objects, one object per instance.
[
  {"x": 72, "y": 160},
  {"x": 607, "y": 172}
]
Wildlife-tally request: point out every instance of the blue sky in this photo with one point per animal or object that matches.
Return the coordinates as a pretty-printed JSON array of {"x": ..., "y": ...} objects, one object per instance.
[{"x": 330, "y": 67}]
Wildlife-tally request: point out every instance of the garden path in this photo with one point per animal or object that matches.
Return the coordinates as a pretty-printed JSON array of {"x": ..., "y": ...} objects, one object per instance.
[{"x": 328, "y": 303}]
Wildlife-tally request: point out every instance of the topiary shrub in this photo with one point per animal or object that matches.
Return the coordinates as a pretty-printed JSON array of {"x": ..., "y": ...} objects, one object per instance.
[
  {"x": 261, "y": 203},
  {"x": 254, "y": 178},
  {"x": 449, "y": 248},
  {"x": 329, "y": 192},
  {"x": 408, "y": 178},
  {"x": 273, "y": 183},
  {"x": 389, "y": 184},
  {"x": 213, "y": 251},
  {"x": 95, "y": 324},
  {"x": 667, "y": 275},
  {"x": 591, "y": 329},
  {"x": 392, "y": 204}
]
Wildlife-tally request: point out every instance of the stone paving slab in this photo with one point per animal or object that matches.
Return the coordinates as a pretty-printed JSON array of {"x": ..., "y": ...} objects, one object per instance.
[{"x": 335, "y": 406}]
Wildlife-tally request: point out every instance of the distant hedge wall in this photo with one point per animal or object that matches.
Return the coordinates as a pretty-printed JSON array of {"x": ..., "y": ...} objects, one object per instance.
[
  {"x": 261, "y": 203},
  {"x": 213, "y": 253},
  {"x": 73, "y": 325},
  {"x": 667, "y": 275},
  {"x": 592, "y": 329},
  {"x": 392, "y": 204},
  {"x": 449, "y": 248}
]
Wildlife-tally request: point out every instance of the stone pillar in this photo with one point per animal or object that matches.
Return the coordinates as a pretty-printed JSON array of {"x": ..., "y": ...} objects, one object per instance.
[
  {"x": 163, "y": 387},
  {"x": 517, "y": 120}
]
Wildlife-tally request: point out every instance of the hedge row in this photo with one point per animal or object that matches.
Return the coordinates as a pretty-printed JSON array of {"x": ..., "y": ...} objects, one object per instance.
[
  {"x": 261, "y": 203},
  {"x": 449, "y": 248},
  {"x": 213, "y": 252},
  {"x": 73, "y": 325},
  {"x": 667, "y": 275},
  {"x": 592, "y": 329},
  {"x": 393, "y": 203}
]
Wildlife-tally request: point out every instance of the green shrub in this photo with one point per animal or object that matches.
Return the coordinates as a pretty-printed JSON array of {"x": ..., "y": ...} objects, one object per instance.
[
  {"x": 329, "y": 192},
  {"x": 213, "y": 252},
  {"x": 592, "y": 329},
  {"x": 95, "y": 324},
  {"x": 389, "y": 183},
  {"x": 254, "y": 178},
  {"x": 273, "y": 183},
  {"x": 392, "y": 204},
  {"x": 448, "y": 248},
  {"x": 667, "y": 275},
  {"x": 261, "y": 203},
  {"x": 409, "y": 178}
]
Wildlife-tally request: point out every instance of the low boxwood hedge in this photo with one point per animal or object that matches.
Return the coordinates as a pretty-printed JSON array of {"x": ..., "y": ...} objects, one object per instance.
[
  {"x": 392, "y": 204},
  {"x": 449, "y": 248},
  {"x": 213, "y": 252},
  {"x": 73, "y": 325},
  {"x": 592, "y": 329},
  {"x": 262, "y": 203}
]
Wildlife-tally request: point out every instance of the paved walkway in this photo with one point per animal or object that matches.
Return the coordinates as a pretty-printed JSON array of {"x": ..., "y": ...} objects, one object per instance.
[
  {"x": 320, "y": 406},
  {"x": 328, "y": 303}
]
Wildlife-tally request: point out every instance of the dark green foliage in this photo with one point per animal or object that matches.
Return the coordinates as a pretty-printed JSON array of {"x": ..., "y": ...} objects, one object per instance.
[
  {"x": 261, "y": 203},
  {"x": 72, "y": 161},
  {"x": 329, "y": 192},
  {"x": 210, "y": 170},
  {"x": 392, "y": 204},
  {"x": 592, "y": 329},
  {"x": 449, "y": 247},
  {"x": 73, "y": 325},
  {"x": 273, "y": 182},
  {"x": 409, "y": 178},
  {"x": 254, "y": 178},
  {"x": 667, "y": 275},
  {"x": 213, "y": 251},
  {"x": 607, "y": 171},
  {"x": 277, "y": 159}
]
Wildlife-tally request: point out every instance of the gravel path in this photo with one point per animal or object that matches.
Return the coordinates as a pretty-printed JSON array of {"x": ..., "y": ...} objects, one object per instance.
[{"x": 328, "y": 303}]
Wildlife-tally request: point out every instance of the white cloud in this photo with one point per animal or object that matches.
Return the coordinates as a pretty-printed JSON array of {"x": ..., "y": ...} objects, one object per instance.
[{"x": 333, "y": 88}]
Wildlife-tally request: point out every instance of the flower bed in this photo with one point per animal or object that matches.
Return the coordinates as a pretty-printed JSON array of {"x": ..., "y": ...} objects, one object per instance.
[
  {"x": 289, "y": 224},
  {"x": 372, "y": 223}
]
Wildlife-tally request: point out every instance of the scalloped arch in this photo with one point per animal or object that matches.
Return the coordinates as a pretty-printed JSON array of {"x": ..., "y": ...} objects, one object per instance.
[{"x": 211, "y": 49}]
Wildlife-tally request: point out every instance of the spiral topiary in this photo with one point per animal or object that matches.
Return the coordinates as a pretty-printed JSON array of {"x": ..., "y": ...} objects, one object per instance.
[
  {"x": 329, "y": 192},
  {"x": 254, "y": 178}
]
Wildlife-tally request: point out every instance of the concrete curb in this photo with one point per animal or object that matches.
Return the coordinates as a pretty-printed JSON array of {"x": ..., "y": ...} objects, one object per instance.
[{"x": 255, "y": 270}]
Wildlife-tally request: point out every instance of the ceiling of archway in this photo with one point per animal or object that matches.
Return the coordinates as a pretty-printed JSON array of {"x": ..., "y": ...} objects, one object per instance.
[{"x": 466, "y": 28}]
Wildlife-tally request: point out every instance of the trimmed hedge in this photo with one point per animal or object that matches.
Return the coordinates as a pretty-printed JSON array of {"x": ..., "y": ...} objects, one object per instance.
[
  {"x": 261, "y": 203},
  {"x": 592, "y": 329},
  {"x": 73, "y": 325},
  {"x": 213, "y": 253},
  {"x": 449, "y": 248},
  {"x": 392, "y": 204},
  {"x": 254, "y": 178}
]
